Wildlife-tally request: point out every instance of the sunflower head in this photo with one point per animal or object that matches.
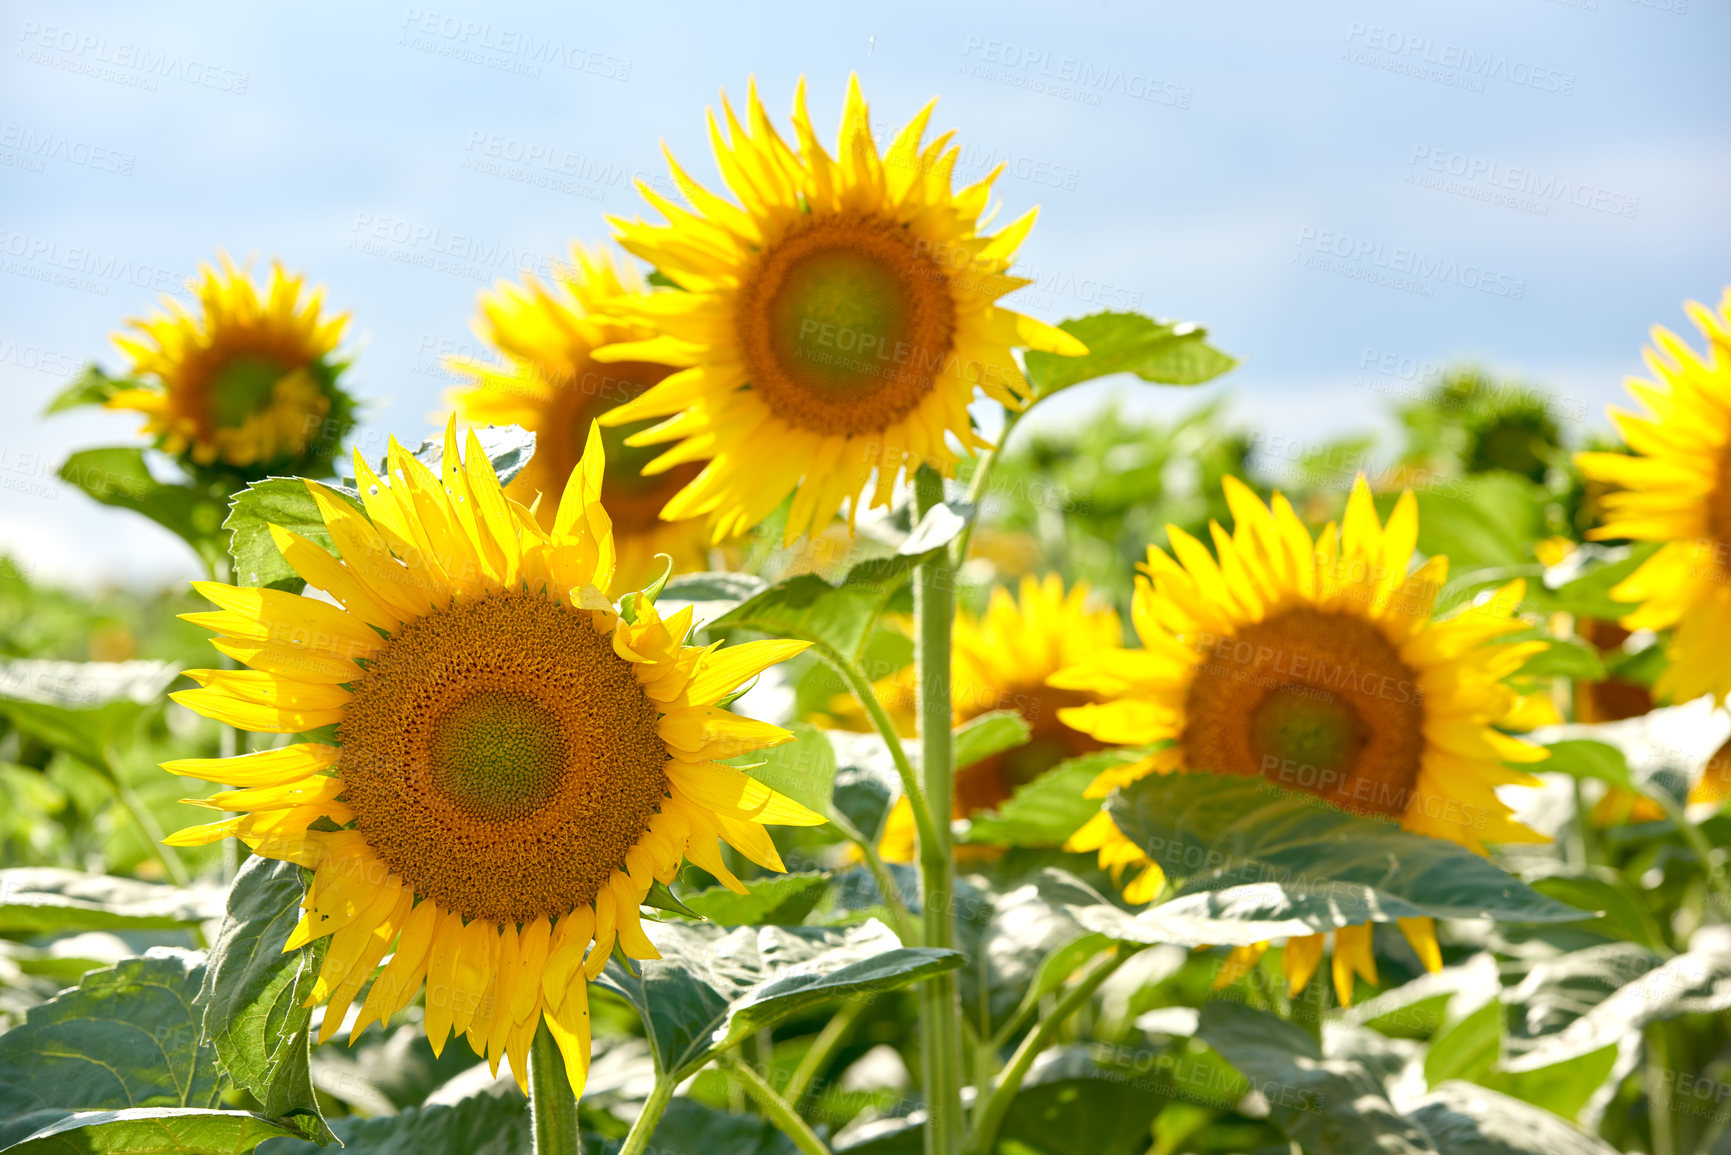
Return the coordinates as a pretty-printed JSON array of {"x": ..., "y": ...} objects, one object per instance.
[
  {"x": 1674, "y": 487},
  {"x": 247, "y": 383},
  {"x": 1313, "y": 663},
  {"x": 551, "y": 385},
  {"x": 507, "y": 761},
  {"x": 832, "y": 322}
]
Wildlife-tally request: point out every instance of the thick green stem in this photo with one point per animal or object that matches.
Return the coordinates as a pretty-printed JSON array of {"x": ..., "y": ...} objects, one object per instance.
[
  {"x": 833, "y": 1035},
  {"x": 1660, "y": 1122},
  {"x": 990, "y": 1116},
  {"x": 777, "y": 1109},
  {"x": 637, "y": 1141},
  {"x": 940, "y": 1005},
  {"x": 552, "y": 1105}
]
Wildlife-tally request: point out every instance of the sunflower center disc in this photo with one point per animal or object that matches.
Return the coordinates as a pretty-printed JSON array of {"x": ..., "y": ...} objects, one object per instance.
[
  {"x": 501, "y": 758},
  {"x": 246, "y": 384},
  {"x": 846, "y": 324},
  {"x": 1312, "y": 701}
]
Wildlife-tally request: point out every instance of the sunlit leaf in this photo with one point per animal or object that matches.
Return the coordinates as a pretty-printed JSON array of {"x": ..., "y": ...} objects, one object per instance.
[{"x": 1164, "y": 352}]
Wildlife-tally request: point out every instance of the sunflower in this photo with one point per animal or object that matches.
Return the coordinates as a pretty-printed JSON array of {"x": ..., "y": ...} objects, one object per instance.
[
  {"x": 1000, "y": 661},
  {"x": 248, "y": 382},
  {"x": 1675, "y": 488},
  {"x": 502, "y": 763},
  {"x": 1315, "y": 664},
  {"x": 553, "y": 387},
  {"x": 832, "y": 325}
]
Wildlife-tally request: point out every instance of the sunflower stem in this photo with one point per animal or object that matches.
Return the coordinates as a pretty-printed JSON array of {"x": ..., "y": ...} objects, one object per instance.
[
  {"x": 834, "y": 1034},
  {"x": 637, "y": 1140},
  {"x": 940, "y": 1002},
  {"x": 777, "y": 1109},
  {"x": 552, "y": 1105},
  {"x": 991, "y": 1114},
  {"x": 880, "y": 720}
]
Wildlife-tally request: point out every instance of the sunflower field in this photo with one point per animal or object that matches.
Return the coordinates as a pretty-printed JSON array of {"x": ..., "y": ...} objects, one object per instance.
[{"x": 712, "y": 736}]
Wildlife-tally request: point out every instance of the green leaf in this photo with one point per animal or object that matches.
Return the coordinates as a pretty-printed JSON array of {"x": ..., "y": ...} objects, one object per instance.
[
  {"x": 478, "y": 1125},
  {"x": 81, "y": 707},
  {"x": 92, "y": 387},
  {"x": 283, "y": 501},
  {"x": 1556, "y": 992},
  {"x": 710, "y": 594},
  {"x": 775, "y": 900},
  {"x": 1068, "y": 1105},
  {"x": 1464, "y": 1119},
  {"x": 1468, "y": 1049},
  {"x": 254, "y": 997},
  {"x": 1164, "y": 352},
  {"x": 1697, "y": 982},
  {"x": 803, "y": 769},
  {"x": 508, "y": 449},
  {"x": 1561, "y": 659},
  {"x": 692, "y": 1126},
  {"x": 149, "y": 1131},
  {"x": 49, "y": 900},
  {"x": 1563, "y": 1088},
  {"x": 120, "y": 477},
  {"x": 126, "y": 1036},
  {"x": 1049, "y": 809},
  {"x": 992, "y": 733},
  {"x": 1487, "y": 521},
  {"x": 659, "y": 897},
  {"x": 1008, "y": 938},
  {"x": 838, "y": 619},
  {"x": 1589, "y": 594},
  {"x": 1260, "y": 851},
  {"x": 713, "y": 987},
  {"x": 1622, "y": 909},
  {"x": 1321, "y": 1104},
  {"x": 1659, "y": 754}
]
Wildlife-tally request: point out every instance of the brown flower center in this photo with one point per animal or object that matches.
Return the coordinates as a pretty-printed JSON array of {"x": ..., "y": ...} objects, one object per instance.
[{"x": 501, "y": 758}]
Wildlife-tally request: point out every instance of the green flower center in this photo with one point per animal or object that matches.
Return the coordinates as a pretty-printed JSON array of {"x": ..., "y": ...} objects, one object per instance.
[
  {"x": 498, "y": 755},
  {"x": 839, "y": 317},
  {"x": 245, "y": 385},
  {"x": 1293, "y": 730}
]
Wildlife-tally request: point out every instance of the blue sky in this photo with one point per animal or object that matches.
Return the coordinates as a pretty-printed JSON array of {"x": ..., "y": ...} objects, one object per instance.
[{"x": 1345, "y": 193}]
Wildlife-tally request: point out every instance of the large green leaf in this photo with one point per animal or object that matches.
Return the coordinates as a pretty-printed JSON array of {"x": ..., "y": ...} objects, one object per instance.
[
  {"x": 151, "y": 1131},
  {"x": 1695, "y": 982},
  {"x": 283, "y": 501},
  {"x": 81, "y": 707},
  {"x": 1322, "y": 1104},
  {"x": 803, "y": 769},
  {"x": 1008, "y": 938},
  {"x": 691, "y": 1126},
  {"x": 254, "y": 996},
  {"x": 508, "y": 449},
  {"x": 126, "y": 1036},
  {"x": 479, "y": 1125},
  {"x": 1164, "y": 352},
  {"x": 777, "y": 899},
  {"x": 1464, "y": 1119},
  {"x": 1226, "y": 833},
  {"x": 1557, "y": 991},
  {"x": 709, "y": 594},
  {"x": 1488, "y": 521},
  {"x": 120, "y": 477},
  {"x": 838, "y": 619},
  {"x": 46, "y": 899},
  {"x": 1049, "y": 809},
  {"x": 712, "y": 987}
]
